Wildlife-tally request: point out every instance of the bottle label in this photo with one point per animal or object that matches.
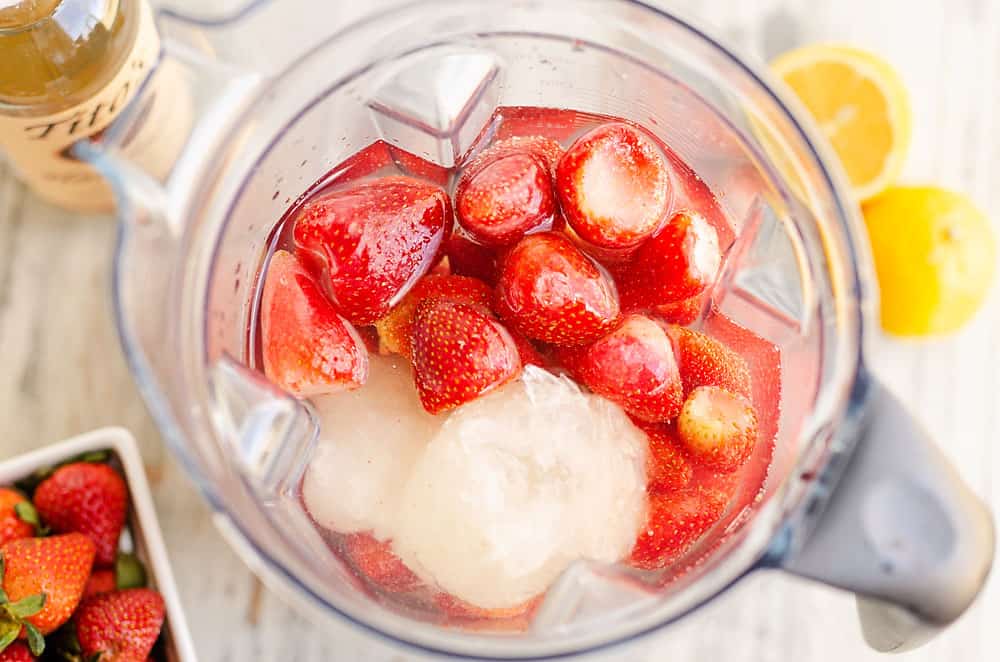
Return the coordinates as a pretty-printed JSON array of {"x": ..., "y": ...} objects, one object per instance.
[{"x": 39, "y": 147}]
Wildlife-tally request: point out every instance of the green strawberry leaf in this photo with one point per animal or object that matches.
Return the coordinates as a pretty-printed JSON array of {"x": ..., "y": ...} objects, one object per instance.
[
  {"x": 3, "y": 597},
  {"x": 28, "y": 606},
  {"x": 94, "y": 457},
  {"x": 95, "y": 657},
  {"x": 129, "y": 572},
  {"x": 8, "y": 633},
  {"x": 36, "y": 642},
  {"x": 26, "y": 513}
]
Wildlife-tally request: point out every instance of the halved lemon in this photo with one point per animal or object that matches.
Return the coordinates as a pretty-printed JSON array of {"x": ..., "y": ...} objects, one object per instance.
[{"x": 859, "y": 104}]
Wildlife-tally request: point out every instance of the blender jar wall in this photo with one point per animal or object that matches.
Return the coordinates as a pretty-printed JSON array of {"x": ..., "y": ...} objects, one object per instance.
[{"x": 385, "y": 78}]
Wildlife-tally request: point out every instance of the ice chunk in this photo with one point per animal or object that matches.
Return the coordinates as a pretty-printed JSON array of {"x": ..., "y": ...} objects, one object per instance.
[
  {"x": 369, "y": 440},
  {"x": 517, "y": 485}
]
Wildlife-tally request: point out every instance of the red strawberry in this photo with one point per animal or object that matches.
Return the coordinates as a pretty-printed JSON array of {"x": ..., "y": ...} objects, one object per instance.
[
  {"x": 526, "y": 350},
  {"x": 370, "y": 241},
  {"x": 674, "y": 522},
  {"x": 308, "y": 348},
  {"x": 550, "y": 291},
  {"x": 12, "y": 526},
  {"x": 685, "y": 311},
  {"x": 505, "y": 198},
  {"x": 633, "y": 366},
  {"x": 676, "y": 264},
  {"x": 121, "y": 626},
  {"x": 506, "y": 191},
  {"x": 704, "y": 361},
  {"x": 395, "y": 329},
  {"x": 718, "y": 428},
  {"x": 546, "y": 149},
  {"x": 614, "y": 186},
  {"x": 57, "y": 567},
  {"x": 467, "y": 258},
  {"x": 668, "y": 468},
  {"x": 375, "y": 560},
  {"x": 86, "y": 498},
  {"x": 17, "y": 652},
  {"x": 459, "y": 353},
  {"x": 100, "y": 581}
]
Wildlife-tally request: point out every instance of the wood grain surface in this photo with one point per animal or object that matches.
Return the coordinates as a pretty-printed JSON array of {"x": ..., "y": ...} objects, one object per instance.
[{"x": 63, "y": 373}]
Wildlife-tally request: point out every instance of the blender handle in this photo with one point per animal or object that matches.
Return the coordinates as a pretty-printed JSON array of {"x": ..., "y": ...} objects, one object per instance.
[{"x": 901, "y": 530}]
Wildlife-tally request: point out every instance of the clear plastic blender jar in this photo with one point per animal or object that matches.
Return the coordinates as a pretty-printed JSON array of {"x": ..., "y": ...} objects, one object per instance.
[{"x": 856, "y": 495}]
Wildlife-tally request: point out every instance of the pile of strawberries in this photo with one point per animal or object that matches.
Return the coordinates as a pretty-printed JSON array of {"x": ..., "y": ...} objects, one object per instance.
[
  {"x": 570, "y": 260},
  {"x": 67, "y": 593}
]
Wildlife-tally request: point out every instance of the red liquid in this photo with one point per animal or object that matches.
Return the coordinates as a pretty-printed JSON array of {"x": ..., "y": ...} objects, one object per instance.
[{"x": 689, "y": 193}]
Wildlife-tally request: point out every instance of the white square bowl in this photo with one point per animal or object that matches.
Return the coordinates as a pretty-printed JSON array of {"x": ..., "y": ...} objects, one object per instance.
[{"x": 146, "y": 537}]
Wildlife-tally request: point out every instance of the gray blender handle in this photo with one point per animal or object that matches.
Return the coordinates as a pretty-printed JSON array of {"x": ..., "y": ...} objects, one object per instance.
[{"x": 901, "y": 530}]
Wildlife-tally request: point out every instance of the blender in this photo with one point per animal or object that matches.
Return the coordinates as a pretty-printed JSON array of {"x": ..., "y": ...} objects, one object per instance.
[{"x": 856, "y": 495}]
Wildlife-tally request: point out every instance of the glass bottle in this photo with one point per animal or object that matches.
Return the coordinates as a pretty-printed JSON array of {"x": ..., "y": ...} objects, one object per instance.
[{"x": 67, "y": 69}]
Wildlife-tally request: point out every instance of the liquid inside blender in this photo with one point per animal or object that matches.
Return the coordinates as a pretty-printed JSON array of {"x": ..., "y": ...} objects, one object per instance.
[{"x": 469, "y": 515}]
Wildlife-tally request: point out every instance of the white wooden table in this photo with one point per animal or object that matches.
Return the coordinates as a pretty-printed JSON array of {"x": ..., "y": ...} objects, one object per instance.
[{"x": 63, "y": 373}]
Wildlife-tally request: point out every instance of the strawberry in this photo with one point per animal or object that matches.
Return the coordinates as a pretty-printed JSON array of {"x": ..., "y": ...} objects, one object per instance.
[
  {"x": 633, "y": 366},
  {"x": 704, "y": 361},
  {"x": 376, "y": 561},
  {"x": 308, "y": 348},
  {"x": 459, "y": 353},
  {"x": 505, "y": 198},
  {"x": 614, "y": 185},
  {"x": 395, "y": 329},
  {"x": 546, "y": 149},
  {"x": 121, "y": 626},
  {"x": 12, "y": 526},
  {"x": 467, "y": 258},
  {"x": 86, "y": 498},
  {"x": 370, "y": 241},
  {"x": 526, "y": 350},
  {"x": 668, "y": 468},
  {"x": 100, "y": 581},
  {"x": 674, "y": 522},
  {"x": 549, "y": 291},
  {"x": 718, "y": 428},
  {"x": 676, "y": 264},
  {"x": 17, "y": 652},
  {"x": 685, "y": 311},
  {"x": 56, "y": 568},
  {"x": 506, "y": 191}
]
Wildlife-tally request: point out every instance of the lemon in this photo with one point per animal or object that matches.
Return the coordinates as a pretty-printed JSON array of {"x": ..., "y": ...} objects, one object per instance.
[
  {"x": 935, "y": 256},
  {"x": 860, "y": 105}
]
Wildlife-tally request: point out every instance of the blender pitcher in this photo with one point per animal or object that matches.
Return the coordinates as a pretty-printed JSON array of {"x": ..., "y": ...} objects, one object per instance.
[{"x": 856, "y": 495}]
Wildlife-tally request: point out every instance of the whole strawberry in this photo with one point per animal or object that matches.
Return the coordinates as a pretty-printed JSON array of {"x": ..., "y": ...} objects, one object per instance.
[
  {"x": 120, "y": 626},
  {"x": 86, "y": 498},
  {"x": 12, "y": 526},
  {"x": 50, "y": 572},
  {"x": 17, "y": 652}
]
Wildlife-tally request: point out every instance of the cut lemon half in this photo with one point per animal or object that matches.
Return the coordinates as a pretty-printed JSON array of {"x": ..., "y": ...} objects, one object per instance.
[{"x": 860, "y": 105}]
